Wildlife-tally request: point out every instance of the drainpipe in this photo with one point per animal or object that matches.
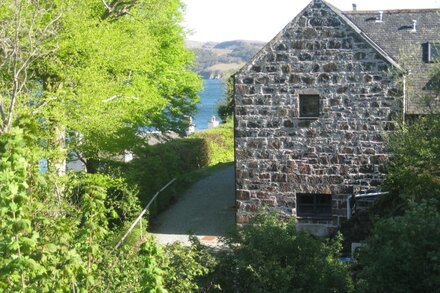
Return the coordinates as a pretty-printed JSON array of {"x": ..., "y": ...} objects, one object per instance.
[{"x": 349, "y": 200}]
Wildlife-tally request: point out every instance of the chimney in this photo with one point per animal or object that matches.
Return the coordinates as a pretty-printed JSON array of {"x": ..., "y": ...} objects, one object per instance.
[
  {"x": 380, "y": 19},
  {"x": 354, "y": 7},
  {"x": 414, "y": 30}
]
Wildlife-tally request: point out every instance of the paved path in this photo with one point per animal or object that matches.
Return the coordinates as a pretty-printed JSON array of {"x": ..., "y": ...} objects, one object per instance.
[{"x": 205, "y": 210}]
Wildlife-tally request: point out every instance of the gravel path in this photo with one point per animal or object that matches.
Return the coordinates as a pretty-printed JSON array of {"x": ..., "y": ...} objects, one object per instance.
[{"x": 205, "y": 210}]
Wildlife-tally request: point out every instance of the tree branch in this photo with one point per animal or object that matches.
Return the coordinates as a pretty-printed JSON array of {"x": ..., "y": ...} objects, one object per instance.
[
  {"x": 107, "y": 6},
  {"x": 15, "y": 66},
  {"x": 2, "y": 113},
  {"x": 118, "y": 8}
]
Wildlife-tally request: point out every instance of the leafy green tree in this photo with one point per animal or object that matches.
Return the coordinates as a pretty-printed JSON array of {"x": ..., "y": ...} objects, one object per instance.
[
  {"x": 26, "y": 38},
  {"x": 226, "y": 108},
  {"x": 76, "y": 64},
  {"x": 270, "y": 255},
  {"x": 403, "y": 253},
  {"x": 186, "y": 266},
  {"x": 414, "y": 169},
  {"x": 56, "y": 244},
  {"x": 129, "y": 69},
  {"x": 84, "y": 77}
]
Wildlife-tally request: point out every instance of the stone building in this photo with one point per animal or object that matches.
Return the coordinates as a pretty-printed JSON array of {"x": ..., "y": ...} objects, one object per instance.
[{"x": 313, "y": 106}]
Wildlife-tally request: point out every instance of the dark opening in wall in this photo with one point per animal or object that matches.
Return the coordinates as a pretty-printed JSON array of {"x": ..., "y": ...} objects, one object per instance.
[
  {"x": 309, "y": 106},
  {"x": 431, "y": 52},
  {"x": 313, "y": 205}
]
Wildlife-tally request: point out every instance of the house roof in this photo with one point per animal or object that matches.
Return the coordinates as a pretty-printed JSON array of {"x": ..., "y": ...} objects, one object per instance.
[
  {"x": 394, "y": 33},
  {"x": 396, "y": 37}
]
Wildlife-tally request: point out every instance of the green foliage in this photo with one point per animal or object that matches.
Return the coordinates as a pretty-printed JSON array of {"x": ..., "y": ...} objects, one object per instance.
[
  {"x": 156, "y": 165},
  {"x": 403, "y": 253},
  {"x": 414, "y": 169},
  {"x": 270, "y": 255},
  {"x": 151, "y": 273},
  {"x": 58, "y": 244},
  {"x": 89, "y": 74},
  {"x": 18, "y": 239},
  {"x": 97, "y": 74},
  {"x": 220, "y": 141},
  {"x": 186, "y": 266},
  {"x": 226, "y": 108}
]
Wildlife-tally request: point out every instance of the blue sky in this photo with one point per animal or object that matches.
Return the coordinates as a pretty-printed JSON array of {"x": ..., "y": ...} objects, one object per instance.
[{"x": 223, "y": 20}]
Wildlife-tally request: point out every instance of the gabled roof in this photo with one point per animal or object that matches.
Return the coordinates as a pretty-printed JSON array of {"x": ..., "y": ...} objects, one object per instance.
[
  {"x": 348, "y": 21},
  {"x": 392, "y": 38}
]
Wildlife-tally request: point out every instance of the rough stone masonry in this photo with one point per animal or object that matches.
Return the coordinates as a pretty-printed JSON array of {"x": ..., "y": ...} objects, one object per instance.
[{"x": 278, "y": 153}]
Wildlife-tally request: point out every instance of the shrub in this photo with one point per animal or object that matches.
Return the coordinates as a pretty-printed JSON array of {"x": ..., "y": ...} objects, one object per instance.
[
  {"x": 220, "y": 143},
  {"x": 270, "y": 255},
  {"x": 403, "y": 253},
  {"x": 413, "y": 171}
]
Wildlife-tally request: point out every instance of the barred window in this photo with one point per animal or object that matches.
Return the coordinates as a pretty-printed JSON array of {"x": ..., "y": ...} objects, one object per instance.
[{"x": 313, "y": 205}]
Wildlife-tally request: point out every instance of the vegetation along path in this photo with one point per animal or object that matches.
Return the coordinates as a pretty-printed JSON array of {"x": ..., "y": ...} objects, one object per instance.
[{"x": 205, "y": 210}]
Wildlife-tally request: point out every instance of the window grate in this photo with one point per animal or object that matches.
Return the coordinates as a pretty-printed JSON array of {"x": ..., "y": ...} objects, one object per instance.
[{"x": 312, "y": 205}]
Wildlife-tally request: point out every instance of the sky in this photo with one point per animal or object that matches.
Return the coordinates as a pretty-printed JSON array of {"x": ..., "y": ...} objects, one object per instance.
[{"x": 261, "y": 20}]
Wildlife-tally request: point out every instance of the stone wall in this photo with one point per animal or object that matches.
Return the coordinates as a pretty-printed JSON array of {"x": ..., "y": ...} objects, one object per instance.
[{"x": 279, "y": 154}]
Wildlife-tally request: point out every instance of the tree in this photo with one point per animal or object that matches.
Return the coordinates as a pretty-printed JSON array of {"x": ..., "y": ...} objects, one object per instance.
[
  {"x": 226, "y": 108},
  {"x": 403, "y": 253},
  {"x": 128, "y": 68},
  {"x": 414, "y": 169},
  {"x": 26, "y": 33},
  {"x": 82, "y": 76},
  {"x": 99, "y": 72}
]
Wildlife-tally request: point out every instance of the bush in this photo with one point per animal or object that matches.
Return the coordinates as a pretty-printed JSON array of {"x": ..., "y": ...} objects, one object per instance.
[
  {"x": 413, "y": 172},
  {"x": 220, "y": 142},
  {"x": 403, "y": 253},
  {"x": 270, "y": 255}
]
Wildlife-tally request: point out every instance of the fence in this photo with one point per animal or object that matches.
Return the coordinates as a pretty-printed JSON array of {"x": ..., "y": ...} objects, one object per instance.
[{"x": 139, "y": 218}]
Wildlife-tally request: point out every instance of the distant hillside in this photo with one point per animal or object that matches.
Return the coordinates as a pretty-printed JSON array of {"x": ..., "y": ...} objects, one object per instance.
[{"x": 217, "y": 60}]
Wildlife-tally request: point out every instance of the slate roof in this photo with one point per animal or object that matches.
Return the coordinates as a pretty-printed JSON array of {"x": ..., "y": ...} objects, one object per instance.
[{"x": 394, "y": 35}]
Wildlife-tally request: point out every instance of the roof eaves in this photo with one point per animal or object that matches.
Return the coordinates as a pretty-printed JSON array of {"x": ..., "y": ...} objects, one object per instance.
[
  {"x": 396, "y": 11},
  {"x": 365, "y": 37}
]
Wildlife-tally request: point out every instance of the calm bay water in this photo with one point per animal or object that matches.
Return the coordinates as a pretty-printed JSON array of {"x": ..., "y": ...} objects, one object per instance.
[{"x": 212, "y": 94}]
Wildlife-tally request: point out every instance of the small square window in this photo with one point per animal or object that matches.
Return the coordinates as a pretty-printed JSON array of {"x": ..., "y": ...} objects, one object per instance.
[
  {"x": 308, "y": 106},
  {"x": 311, "y": 205}
]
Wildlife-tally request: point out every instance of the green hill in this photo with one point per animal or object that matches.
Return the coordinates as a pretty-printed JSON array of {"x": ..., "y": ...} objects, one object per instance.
[{"x": 217, "y": 60}]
